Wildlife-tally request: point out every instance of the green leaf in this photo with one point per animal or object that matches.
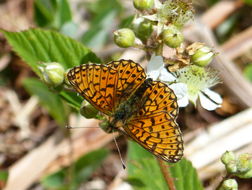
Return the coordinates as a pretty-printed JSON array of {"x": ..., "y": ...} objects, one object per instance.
[
  {"x": 3, "y": 178},
  {"x": 101, "y": 23},
  {"x": 44, "y": 12},
  {"x": 51, "y": 101},
  {"x": 248, "y": 72},
  {"x": 226, "y": 28},
  {"x": 36, "y": 45},
  {"x": 248, "y": 2},
  {"x": 127, "y": 22},
  {"x": 78, "y": 173},
  {"x": 52, "y": 13},
  {"x": 72, "y": 99},
  {"x": 144, "y": 172},
  {"x": 64, "y": 12}
]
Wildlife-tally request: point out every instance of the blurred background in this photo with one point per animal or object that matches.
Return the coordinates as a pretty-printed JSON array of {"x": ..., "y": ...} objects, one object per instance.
[{"x": 36, "y": 149}]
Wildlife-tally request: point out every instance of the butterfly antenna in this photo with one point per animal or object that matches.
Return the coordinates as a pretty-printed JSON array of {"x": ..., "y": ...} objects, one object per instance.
[{"x": 119, "y": 152}]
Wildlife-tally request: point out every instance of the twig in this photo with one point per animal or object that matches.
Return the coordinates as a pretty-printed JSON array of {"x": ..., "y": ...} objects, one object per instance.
[{"x": 166, "y": 173}]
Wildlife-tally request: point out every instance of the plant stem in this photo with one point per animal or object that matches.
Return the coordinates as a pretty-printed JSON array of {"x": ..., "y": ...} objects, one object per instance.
[{"x": 166, "y": 173}]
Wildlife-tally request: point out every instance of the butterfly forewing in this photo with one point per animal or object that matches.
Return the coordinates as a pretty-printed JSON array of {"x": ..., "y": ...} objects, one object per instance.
[
  {"x": 96, "y": 83},
  {"x": 130, "y": 76}
]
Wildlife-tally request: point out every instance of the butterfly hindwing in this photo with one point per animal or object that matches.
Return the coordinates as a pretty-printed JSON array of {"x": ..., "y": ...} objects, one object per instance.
[{"x": 154, "y": 126}]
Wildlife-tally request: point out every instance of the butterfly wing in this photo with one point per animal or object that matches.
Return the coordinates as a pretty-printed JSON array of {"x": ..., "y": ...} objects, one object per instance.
[
  {"x": 154, "y": 126},
  {"x": 96, "y": 83},
  {"x": 106, "y": 86},
  {"x": 130, "y": 76}
]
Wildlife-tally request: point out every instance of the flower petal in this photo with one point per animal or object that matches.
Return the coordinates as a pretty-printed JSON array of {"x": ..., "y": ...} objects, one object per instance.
[
  {"x": 154, "y": 67},
  {"x": 180, "y": 90},
  {"x": 183, "y": 102},
  {"x": 166, "y": 76},
  {"x": 209, "y": 99},
  {"x": 151, "y": 17}
]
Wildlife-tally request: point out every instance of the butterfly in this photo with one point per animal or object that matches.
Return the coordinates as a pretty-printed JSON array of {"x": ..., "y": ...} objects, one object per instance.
[{"x": 143, "y": 109}]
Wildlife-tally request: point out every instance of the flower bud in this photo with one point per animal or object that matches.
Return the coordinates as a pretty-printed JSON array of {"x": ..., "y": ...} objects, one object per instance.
[
  {"x": 172, "y": 36},
  {"x": 245, "y": 175},
  {"x": 202, "y": 56},
  {"x": 124, "y": 37},
  {"x": 87, "y": 110},
  {"x": 243, "y": 163},
  {"x": 244, "y": 166},
  {"x": 231, "y": 167},
  {"x": 229, "y": 184},
  {"x": 227, "y": 157},
  {"x": 143, "y": 4},
  {"x": 106, "y": 126},
  {"x": 142, "y": 28},
  {"x": 52, "y": 73}
]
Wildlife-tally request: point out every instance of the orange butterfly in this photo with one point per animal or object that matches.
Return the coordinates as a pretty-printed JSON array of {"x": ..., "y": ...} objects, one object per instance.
[{"x": 141, "y": 108}]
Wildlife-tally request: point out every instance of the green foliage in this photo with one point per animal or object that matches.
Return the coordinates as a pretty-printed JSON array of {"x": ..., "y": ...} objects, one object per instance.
[
  {"x": 50, "y": 100},
  {"x": 225, "y": 29},
  {"x": 101, "y": 22},
  {"x": 52, "y": 13},
  {"x": 248, "y": 2},
  {"x": 71, "y": 98},
  {"x": 248, "y": 72},
  {"x": 127, "y": 22},
  {"x": 144, "y": 172},
  {"x": 71, "y": 178},
  {"x": 36, "y": 45},
  {"x": 3, "y": 178}
]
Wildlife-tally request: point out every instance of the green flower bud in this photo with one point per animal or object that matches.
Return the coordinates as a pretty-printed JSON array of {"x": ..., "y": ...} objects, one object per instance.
[
  {"x": 172, "y": 36},
  {"x": 227, "y": 157},
  {"x": 244, "y": 162},
  {"x": 229, "y": 184},
  {"x": 244, "y": 166},
  {"x": 231, "y": 167},
  {"x": 52, "y": 73},
  {"x": 106, "y": 126},
  {"x": 202, "y": 56},
  {"x": 143, "y": 4},
  {"x": 245, "y": 175},
  {"x": 87, "y": 110},
  {"x": 124, "y": 37},
  {"x": 143, "y": 29}
]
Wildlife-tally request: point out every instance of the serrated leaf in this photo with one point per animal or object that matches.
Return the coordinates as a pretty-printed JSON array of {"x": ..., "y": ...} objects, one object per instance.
[
  {"x": 144, "y": 172},
  {"x": 37, "y": 45},
  {"x": 78, "y": 173},
  {"x": 51, "y": 101}
]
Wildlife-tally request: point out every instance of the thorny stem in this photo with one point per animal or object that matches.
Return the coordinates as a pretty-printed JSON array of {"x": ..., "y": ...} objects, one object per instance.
[{"x": 166, "y": 173}]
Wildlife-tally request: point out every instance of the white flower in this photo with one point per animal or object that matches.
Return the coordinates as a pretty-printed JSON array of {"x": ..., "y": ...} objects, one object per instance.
[
  {"x": 190, "y": 83},
  {"x": 198, "y": 81}
]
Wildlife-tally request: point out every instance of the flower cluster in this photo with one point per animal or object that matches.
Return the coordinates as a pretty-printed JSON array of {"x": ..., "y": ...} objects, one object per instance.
[
  {"x": 240, "y": 166},
  {"x": 156, "y": 23},
  {"x": 189, "y": 83}
]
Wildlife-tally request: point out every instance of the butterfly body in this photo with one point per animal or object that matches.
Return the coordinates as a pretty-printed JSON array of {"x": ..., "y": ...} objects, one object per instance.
[{"x": 143, "y": 109}]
